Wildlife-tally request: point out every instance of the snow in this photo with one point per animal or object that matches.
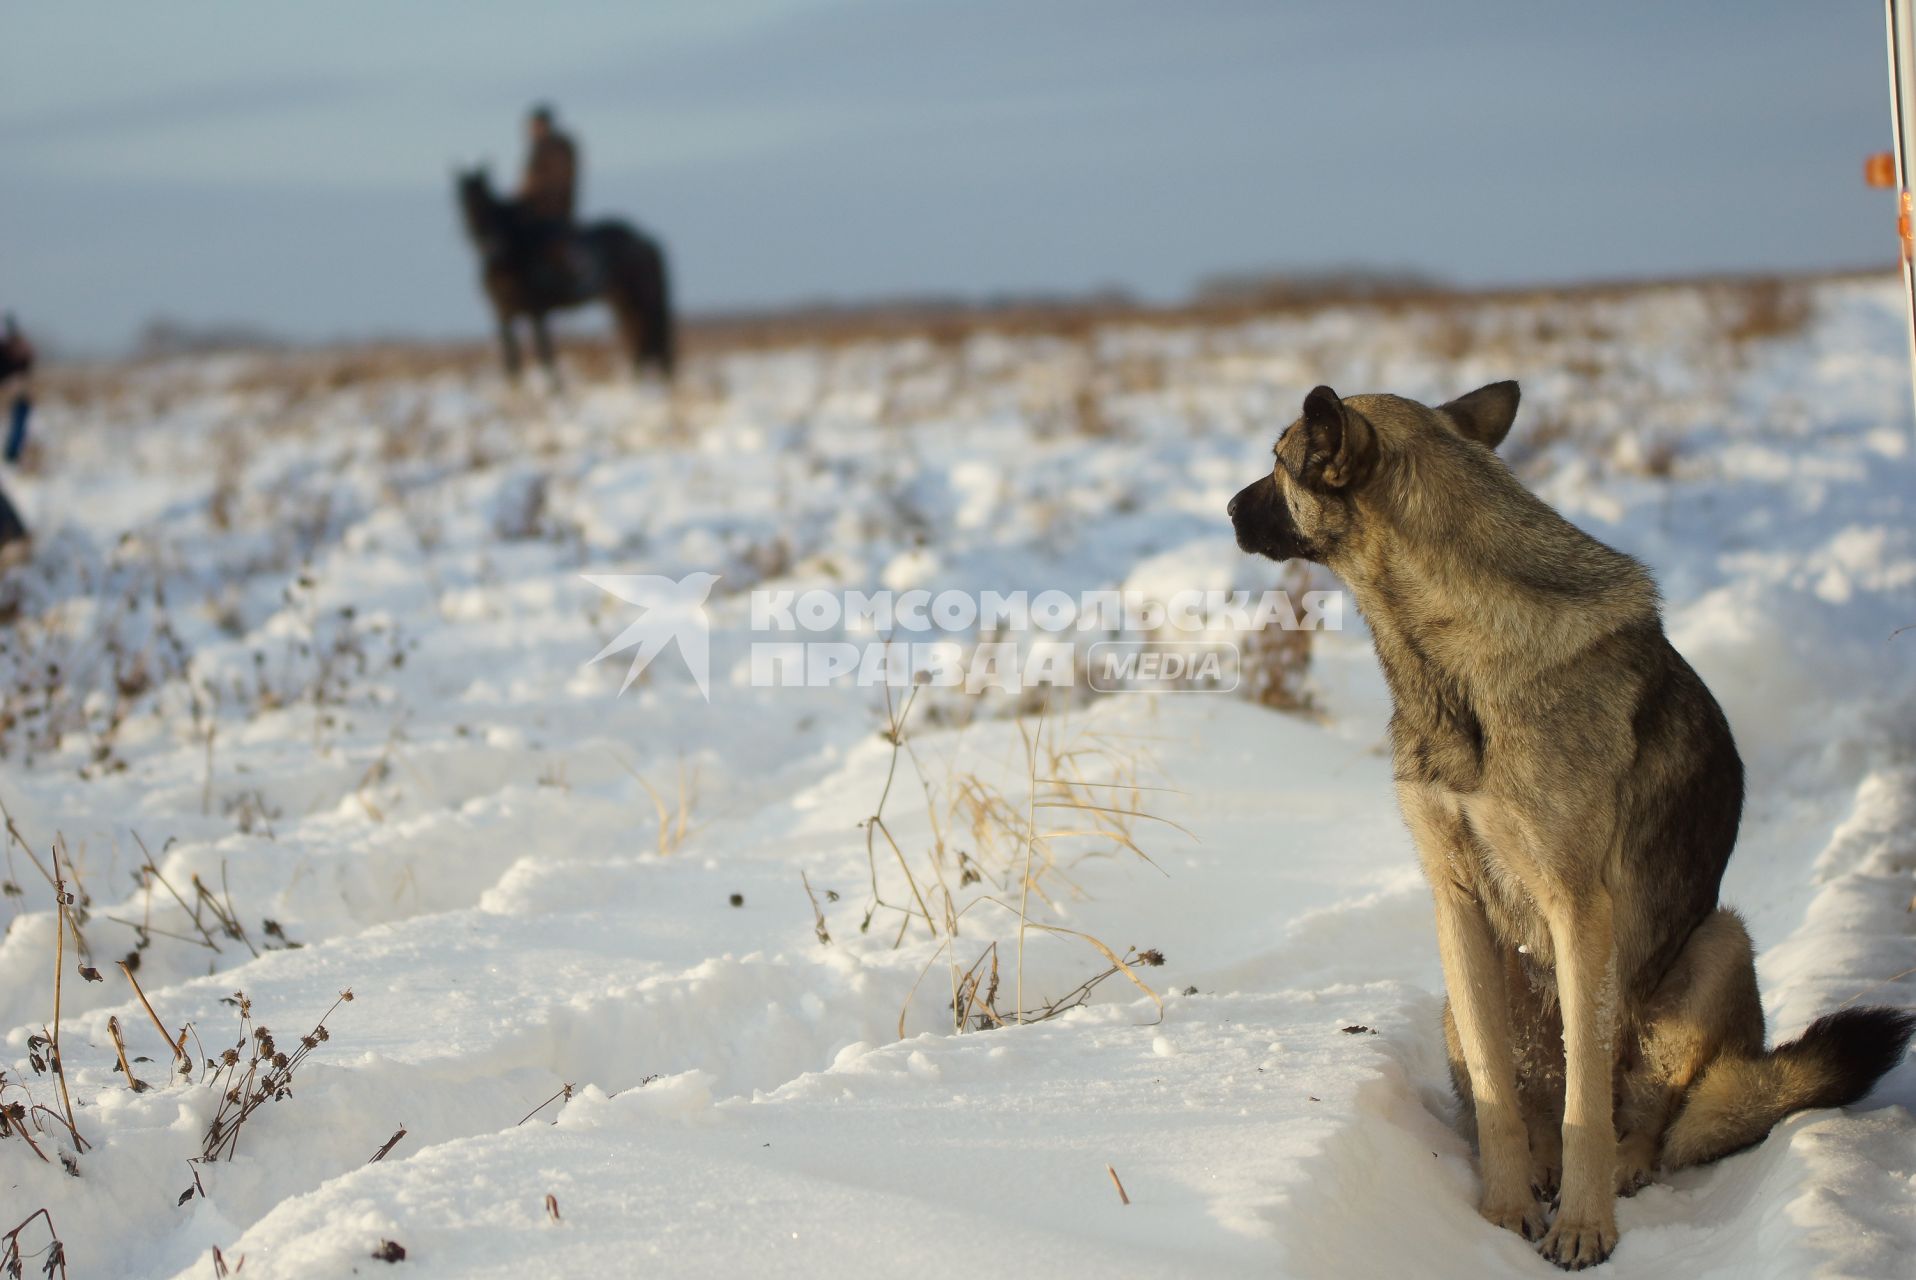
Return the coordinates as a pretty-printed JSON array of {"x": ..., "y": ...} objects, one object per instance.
[{"x": 456, "y": 817}]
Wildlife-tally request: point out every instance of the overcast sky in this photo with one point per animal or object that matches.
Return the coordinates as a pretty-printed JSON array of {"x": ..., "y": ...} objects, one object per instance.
[{"x": 290, "y": 166}]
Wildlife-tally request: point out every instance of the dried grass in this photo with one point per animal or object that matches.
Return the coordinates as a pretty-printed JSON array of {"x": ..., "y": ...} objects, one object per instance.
[
  {"x": 254, "y": 1072},
  {"x": 998, "y": 856},
  {"x": 13, "y": 1256},
  {"x": 1770, "y": 307},
  {"x": 674, "y": 819}
]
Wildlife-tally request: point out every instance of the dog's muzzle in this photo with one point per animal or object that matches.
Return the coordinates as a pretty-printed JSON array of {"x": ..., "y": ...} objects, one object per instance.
[{"x": 1263, "y": 523}]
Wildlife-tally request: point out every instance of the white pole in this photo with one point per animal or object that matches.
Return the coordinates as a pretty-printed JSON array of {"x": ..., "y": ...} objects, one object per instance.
[{"x": 1901, "y": 23}]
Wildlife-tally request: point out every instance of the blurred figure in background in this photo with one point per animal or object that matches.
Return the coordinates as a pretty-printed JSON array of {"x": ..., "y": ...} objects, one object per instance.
[
  {"x": 16, "y": 362},
  {"x": 551, "y": 183},
  {"x": 548, "y": 192},
  {"x": 536, "y": 260}
]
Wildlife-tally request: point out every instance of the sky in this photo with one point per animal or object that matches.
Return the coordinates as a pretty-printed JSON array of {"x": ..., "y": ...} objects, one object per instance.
[{"x": 290, "y": 167}]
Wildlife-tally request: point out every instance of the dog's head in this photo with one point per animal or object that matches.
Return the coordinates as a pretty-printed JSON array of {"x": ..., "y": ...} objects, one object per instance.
[{"x": 1331, "y": 463}]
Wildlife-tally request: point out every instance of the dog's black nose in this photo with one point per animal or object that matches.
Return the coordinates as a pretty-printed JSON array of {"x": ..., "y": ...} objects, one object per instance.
[{"x": 1231, "y": 510}]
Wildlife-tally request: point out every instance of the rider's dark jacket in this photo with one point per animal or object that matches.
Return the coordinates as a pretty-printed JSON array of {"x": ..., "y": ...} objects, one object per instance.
[{"x": 551, "y": 178}]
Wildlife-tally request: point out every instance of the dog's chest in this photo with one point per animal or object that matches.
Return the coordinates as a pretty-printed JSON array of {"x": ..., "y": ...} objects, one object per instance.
[
  {"x": 1437, "y": 733},
  {"x": 1500, "y": 879},
  {"x": 1439, "y": 744}
]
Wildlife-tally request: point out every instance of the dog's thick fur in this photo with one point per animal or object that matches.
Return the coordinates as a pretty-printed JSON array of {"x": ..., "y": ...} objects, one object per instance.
[{"x": 1574, "y": 794}]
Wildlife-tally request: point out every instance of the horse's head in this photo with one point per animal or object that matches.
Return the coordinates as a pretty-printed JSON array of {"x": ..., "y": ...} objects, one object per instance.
[{"x": 483, "y": 213}]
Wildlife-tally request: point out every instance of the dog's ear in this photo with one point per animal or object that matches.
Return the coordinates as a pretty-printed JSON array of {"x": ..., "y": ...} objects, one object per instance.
[
  {"x": 1342, "y": 445},
  {"x": 1485, "y": 414}
]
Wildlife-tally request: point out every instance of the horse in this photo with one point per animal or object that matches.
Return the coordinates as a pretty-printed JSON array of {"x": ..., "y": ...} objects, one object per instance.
[{"x": 529, "y": 268}]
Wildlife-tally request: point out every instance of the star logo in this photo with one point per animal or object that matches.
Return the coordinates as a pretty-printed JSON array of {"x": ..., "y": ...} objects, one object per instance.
[{"x": 674, "y": 613}]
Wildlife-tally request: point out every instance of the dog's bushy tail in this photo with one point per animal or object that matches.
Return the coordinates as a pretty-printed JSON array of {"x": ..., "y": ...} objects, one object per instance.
[{"x": 1737, "y": 1100}]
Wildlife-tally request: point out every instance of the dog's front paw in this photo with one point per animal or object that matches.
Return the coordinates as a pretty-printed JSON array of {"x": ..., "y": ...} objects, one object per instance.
[
  {"x": 1522, "y": 1214},
  {"x": 1576, "y": 1241}
]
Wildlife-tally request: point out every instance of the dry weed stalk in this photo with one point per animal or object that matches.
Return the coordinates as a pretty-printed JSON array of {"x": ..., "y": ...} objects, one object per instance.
[
  {"x": 14, "y": 1115},
  {"x": 977, "y": 1003},
  {"x": 19, "y": 1113},
  {"x": 133, "y": 1082},
  {"x": 819, "y": 930},
  {"x": 149, "y": 874},
  {"x": 386, "y": 1147},
  {"x": 1013, "y": 844},
  {"x": 209, "y": 913},
  {"x": 252, "y": 1073},
  {"x": 222, "y": 910},
  {"x": 13, "y": 1258},
  {"x": 674, "y": 821},
  {"x": 1898, "y": 976},
  {"x": 378, "y": 771},
  {"x": 895, "y": 717},
  {"x": 564, "y": 1094},
  {"x": 63, "y": 900},
  {"x": 178, "y": 1047},
  {"x": 14, "y": 838}
]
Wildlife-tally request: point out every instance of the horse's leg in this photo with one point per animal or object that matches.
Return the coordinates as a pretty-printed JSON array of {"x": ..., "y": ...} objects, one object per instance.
[
  {"x": 509, "y": 346},
  {"x": 661, "y": 340},
  {"x": 626, "y": 316},
  {"x": 665, "y": 345},
  {"x": 542, "y": 343},
  {"x": 646, "y": 327}
]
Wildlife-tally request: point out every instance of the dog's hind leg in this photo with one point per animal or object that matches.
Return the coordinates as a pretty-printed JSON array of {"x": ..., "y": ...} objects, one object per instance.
[
  {"x": 1739, "y": 1091},
  {"x": 1705, "y": 1005}
]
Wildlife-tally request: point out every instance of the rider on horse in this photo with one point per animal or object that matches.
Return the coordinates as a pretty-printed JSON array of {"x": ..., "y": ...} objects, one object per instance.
[
  {"x": 548, "y": 192},
  {"x": 550, "y": 186},
  {"x": 535, "y": 260}
]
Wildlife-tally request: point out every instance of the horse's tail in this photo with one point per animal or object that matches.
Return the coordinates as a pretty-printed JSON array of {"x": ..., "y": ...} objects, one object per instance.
[
  {"x": 644, "y": 300},
  {"x": 661, "y": 338}
]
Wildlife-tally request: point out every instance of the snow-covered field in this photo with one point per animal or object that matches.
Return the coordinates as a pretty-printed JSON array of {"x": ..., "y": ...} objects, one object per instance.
[{"x": 318, "y": 645}]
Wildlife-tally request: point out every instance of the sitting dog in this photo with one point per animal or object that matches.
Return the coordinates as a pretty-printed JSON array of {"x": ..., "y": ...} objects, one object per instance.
[{"x": 1574, "y": 794}]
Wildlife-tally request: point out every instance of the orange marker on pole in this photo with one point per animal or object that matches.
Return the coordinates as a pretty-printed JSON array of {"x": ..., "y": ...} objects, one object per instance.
[{"x": 1901, "y": 24}]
